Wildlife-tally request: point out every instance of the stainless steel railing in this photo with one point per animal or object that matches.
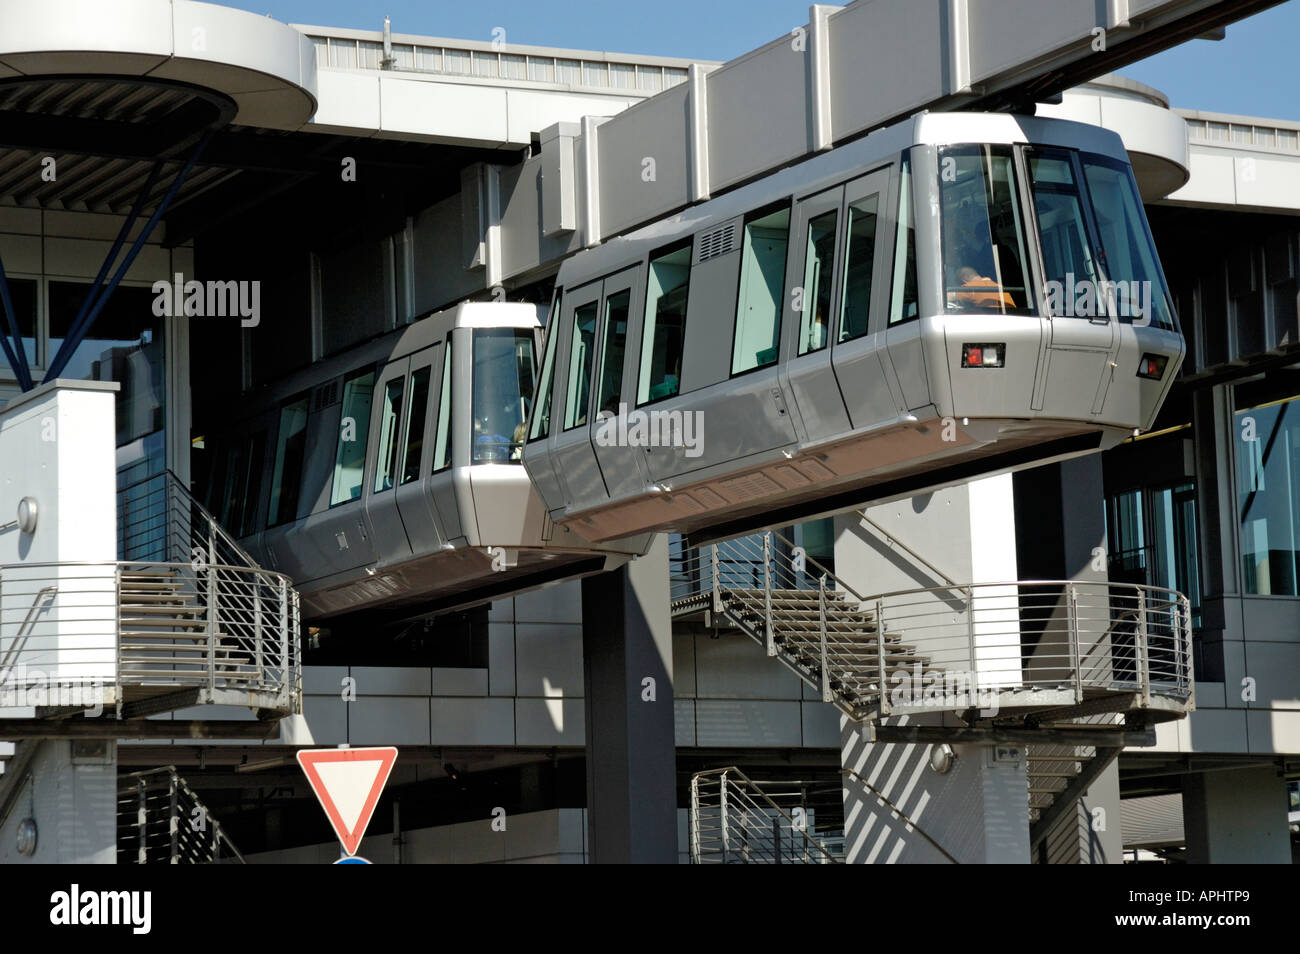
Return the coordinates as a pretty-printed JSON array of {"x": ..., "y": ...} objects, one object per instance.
[
  {"x": 159, "y": 519},
  {"x": 945, "y": 647},
  {"x": 734, "y": 821},
  {"x": 161, "y": 821},
  {"x": 150, "y": 627}
]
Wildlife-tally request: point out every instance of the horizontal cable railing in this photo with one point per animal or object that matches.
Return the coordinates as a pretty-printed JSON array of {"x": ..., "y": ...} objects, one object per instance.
[
  {"x": 733, "y": 820},
  {"x": 148, "y": 627},
  {"x": 159, "y": 519},
  {"x": 161, "y": 821}
]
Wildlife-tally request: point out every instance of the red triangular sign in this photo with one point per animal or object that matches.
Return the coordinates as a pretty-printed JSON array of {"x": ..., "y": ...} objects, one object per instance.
[{"x": 348, "y": 782}]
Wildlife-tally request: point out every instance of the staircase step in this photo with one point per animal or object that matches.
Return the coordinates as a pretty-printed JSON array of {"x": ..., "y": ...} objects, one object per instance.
[{"x": 150, "y": 609}]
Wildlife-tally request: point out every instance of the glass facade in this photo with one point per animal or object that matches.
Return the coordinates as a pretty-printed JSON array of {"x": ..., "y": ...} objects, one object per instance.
[{"x": 1267, "y": 442}]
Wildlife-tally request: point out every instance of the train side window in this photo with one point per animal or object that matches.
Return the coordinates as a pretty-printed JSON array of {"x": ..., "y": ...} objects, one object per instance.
[
  {"x": 390, "y": 414},
  {"x": 442, "y": 440},
  {"x": 417, "y": 410},
  {"x": 584, "y": 334},
  {"x": 984, "y": 259},
  {"x": 540, "y": 426},
  {"x": 903, "y": 304},
  {"x": 611, "y": 357},
  {"x": 290, "y": 454},
  {"x": 814, "y": 316},
  {"x": 859, "y": 260},
  {"x": 354, "y": 429},
  {"x": 762, "y": 291},
  {"x": 664, "y": 336},
  {"x": 243, "y": 484}
]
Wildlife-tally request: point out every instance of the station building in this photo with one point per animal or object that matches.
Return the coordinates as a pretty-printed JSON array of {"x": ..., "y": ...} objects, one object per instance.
[{"x": 328, "y": 187}]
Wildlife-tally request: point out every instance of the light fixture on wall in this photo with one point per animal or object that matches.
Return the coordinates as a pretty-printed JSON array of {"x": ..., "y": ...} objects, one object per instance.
[
  {"x": 27, "y": 837},
  {"x": 27, "y": 513},
  {"x": 941, "y": 758}
]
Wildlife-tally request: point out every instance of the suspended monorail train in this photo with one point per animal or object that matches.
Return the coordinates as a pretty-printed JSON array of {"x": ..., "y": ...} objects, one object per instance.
[
  {"x": 956, "y": 295},
  {"x": 391, "y": 474}
]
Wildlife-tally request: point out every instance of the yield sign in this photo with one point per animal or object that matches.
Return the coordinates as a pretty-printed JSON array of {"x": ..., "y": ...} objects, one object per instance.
[{"x": 348, "y": 782}]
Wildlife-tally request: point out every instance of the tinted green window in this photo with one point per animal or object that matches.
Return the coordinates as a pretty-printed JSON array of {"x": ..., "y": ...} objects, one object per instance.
[
  {"x": 762, "y": 288},
  {"x": 664, "y": 337},
  {"x": 354, "y": 429},
  {"x": 390, "y": 416}
]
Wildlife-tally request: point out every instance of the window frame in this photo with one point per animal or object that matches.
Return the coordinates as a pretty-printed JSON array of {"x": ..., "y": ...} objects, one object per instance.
[
  {"x": 663, "y": 251},
  {"x": 786, "y": 205},
  {"x": 361, "y": 372},
  {"x": 272, "y": 503}
]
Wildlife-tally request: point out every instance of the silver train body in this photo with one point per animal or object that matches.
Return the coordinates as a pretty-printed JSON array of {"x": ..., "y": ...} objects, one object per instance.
[
  {"x": 391, "y": 474},
  {"x": 956, "y": 295}
]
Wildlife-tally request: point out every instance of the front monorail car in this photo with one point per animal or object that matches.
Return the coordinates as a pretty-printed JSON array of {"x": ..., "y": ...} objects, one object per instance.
[
  {"x": 956, "y": 295},
  {"x": 391, "y": 474}
]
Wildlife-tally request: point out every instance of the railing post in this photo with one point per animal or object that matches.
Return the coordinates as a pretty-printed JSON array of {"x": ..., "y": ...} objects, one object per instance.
[
  {"x": 258, "y": 658},
  {"x": 173, "y": 824},
  {"x": 970, "y": 632},
  {"x": 286, "y": 671},
  {"x": 883, "y": 702},
  {"x": 1143, "y": 661},
  {"x": 769, "y": 636},
  {"x": 1185, "y": 645},
  {"x": 821, "y": 613},
  {"x": 717, "y": 587},
  {"x": 776, "y": 839},
  {"x": 117, "y": 629},
  {"x": 141, "y": 822},
  {"x": 724, "y": 830},
  {"x": 212, "y": 627},
  {"x": 1072, "y": 635}
]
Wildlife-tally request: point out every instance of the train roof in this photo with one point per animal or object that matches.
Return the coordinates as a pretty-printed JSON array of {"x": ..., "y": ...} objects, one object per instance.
[
  {"x": 829, "y": 169},
  {"x": 393, "y": 345}
]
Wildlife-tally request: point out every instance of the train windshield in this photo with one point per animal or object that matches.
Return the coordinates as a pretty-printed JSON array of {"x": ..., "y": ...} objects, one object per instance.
[
  {"x": 504, "y": 377},
  {"x": 1128, "y": 252},
  {"x": 984, "y": 260}
]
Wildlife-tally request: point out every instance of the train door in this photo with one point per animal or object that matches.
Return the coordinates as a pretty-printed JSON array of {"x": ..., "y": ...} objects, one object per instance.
[
  {"x": 1082, "y": 336},
  {"x": 341, "y": 533},
  {"x": 812, "y": 278},
  {"x": 537, "y": 458},
  {"x": 903, "y": 335},
  {"x": 571, "y": 435},
  {"x": 415, "y": 504},
  {"x": 385, "y": 460},
  {"x": 857, "y": 353},
  {"x": 622, "y": 461},
  {"x": 447, "y": 368}
]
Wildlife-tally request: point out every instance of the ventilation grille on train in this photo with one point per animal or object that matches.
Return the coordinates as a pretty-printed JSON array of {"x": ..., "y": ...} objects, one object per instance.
[
  {"x": 325, "y": 395},
  {"x": 717, "y": 242}
]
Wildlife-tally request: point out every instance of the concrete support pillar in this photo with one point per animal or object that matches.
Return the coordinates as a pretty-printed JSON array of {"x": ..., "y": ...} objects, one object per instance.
[
  {"x": 631, "y": 753},
  {"x": 1237, "y": 817},
  {"x": 69, "y": 790},
  {"x": 975, "y": 813}
]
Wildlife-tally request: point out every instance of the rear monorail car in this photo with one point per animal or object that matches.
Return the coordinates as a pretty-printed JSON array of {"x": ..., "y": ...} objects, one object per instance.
[
  {"x": 391, "y": 474},
  {"x": 956, "y": 295}
]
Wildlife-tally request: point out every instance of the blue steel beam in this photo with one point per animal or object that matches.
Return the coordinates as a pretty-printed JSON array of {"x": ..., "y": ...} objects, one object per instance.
[
  {"x": 18, "y": 360},
  {"x": 86, "y": 319}
]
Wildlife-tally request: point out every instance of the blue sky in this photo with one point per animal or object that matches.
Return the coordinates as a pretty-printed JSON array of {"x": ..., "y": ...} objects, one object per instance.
[{"x": 1253, "y": 71}]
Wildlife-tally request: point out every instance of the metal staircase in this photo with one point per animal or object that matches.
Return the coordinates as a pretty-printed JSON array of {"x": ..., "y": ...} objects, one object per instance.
[
  {"x": 1071, "y": 670},
  {"x": 734, "y": 820},
  {"x": 161, "y": 821}
]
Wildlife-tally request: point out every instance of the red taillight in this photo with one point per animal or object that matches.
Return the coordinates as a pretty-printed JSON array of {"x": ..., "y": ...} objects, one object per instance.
[
  {"x": 1152, "y": 366},
  {"x": 983, "y": 355}
]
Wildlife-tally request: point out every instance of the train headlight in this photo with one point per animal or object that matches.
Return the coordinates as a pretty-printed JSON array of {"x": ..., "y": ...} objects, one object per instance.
[
  {"x": 1152, "y": 366},
  {"x": 983, "y": 355}
]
